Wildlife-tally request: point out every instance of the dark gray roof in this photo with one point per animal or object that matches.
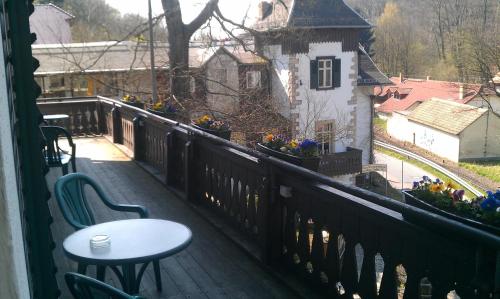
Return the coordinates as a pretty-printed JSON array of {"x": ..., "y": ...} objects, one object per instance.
[
  {"x": 368, "y": 72},
  {"x": 310, "y": 14},
  {"x": 324, "y": 14}
]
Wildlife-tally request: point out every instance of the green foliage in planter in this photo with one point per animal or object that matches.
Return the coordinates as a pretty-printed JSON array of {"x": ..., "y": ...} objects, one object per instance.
[{"x": 444, "y": 197}]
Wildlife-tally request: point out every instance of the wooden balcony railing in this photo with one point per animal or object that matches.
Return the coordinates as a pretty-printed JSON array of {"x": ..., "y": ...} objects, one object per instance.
[
  {"x": 338, "y": 238},
  {"x": 342, "y": 163}
]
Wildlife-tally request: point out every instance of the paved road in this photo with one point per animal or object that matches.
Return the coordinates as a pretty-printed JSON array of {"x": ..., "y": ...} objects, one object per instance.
[{"x": 411, "y": 173}]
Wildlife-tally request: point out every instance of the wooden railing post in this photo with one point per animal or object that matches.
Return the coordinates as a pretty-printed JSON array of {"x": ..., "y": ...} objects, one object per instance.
[
  {"x": 188, "y": 170},
  {"x": 138, "y": 138},
  {"x": 169, "y": 173},
  {"x": 101, "y": 119},
  {"x": 117, "y": 125},
  {"x": 273, "y": 218}
]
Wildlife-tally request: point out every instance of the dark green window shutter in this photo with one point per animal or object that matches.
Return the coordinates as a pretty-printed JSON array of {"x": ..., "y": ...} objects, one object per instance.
[
  {"x": 314, "y": 74},
  {"x": 336, "y": 73}
]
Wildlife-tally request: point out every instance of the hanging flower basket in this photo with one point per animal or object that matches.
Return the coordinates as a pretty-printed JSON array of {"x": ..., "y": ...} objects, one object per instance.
[
  {"x": 443, "y": 199},
  {"x": 304, "y": 154},
  {"x": 214, "y": 127}
]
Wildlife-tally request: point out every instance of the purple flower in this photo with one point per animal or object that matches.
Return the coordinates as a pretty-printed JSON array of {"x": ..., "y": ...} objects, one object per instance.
[
  {"x": 416, "y": 185},
  {"x": 490, "y": 203},
  {"x": 426, "y": 178},
  {"x": 458, "y": 195},
  {"x": 308, "y": 144}
]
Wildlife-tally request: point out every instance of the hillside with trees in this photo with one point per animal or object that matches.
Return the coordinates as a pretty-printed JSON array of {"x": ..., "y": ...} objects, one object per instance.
[
  {"x": 456, "y": 40},
  {"x": 95, "y": 20}
]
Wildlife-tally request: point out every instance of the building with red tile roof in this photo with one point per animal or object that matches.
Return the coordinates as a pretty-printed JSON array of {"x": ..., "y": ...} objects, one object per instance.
[{"x": 406, "y": 94}]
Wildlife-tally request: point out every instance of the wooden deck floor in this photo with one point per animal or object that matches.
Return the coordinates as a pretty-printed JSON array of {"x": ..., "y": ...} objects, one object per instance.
[{"x": 211, "y": 267}]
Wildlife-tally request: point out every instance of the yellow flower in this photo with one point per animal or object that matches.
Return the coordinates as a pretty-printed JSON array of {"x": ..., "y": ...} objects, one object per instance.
[
  {"x": 451, "y": 185},
  {"x": 294, "y": 143},
  {"x": 269, "y": 137},
  {"x": 158, "y": 106},
  {"x": 434, "y": 188}
]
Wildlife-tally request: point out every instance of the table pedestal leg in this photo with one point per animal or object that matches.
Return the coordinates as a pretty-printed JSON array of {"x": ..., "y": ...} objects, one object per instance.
[
  {"x": 82, "y": 268},
  {"x": 130, "y": 284}
]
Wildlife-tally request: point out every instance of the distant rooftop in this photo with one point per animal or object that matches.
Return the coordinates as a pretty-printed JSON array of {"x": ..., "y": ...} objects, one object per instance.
[
  {"x": 97, "y": 57},
  {"x": 445, "y": 115},
  {"x": 419, "y": 90}
]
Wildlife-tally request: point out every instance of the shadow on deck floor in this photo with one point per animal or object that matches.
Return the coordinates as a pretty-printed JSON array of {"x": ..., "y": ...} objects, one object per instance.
[{"x": 211, "y": 267}]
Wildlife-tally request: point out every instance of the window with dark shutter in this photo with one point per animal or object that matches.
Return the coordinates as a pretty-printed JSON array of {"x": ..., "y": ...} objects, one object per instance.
[
  {"x": 336, "y": 73},
  {"x": 314, "y": 74},
  {"x": 325, "y": 73}
]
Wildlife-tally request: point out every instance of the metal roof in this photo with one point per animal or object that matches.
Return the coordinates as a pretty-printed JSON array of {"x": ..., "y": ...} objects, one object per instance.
[{"x": 447, "y": 116}]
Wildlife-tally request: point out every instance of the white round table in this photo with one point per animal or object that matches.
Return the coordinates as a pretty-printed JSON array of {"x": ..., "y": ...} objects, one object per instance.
[{"x": 132, "y": 242}]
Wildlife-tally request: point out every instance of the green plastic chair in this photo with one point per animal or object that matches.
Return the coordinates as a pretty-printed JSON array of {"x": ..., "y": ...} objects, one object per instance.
[
  {"x": 71, "y": 198},
  {"x": 54, "y": 155},
  {"x": 84, "y": 287}
]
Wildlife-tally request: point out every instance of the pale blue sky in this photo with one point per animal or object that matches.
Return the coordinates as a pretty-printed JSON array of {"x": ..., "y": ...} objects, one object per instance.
[{"x": 235, "y": 9}]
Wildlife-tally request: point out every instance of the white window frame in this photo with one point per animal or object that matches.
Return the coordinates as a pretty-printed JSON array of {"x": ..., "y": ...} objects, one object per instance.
[
  {"x": 255, "y": 78},
  {"x": 325, "y": 134},
  {"x": 323, "y": 70}
]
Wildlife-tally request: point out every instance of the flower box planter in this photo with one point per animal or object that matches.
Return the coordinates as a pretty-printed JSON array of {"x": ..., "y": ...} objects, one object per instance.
[
  {"x": 414, "y": 201},
  {"x": 169, "y": 115},
  {"x": 134, "y": 104},
  {"x": 311, "y": 163},
  {"x": 226, "y": 134}
]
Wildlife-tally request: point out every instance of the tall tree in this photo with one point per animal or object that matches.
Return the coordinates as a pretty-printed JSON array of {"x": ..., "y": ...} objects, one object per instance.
[{"x": 179, "y": 35}]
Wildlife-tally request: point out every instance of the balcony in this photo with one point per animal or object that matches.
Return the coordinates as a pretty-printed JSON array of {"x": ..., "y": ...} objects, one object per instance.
[{"x": 266, "y": 228}]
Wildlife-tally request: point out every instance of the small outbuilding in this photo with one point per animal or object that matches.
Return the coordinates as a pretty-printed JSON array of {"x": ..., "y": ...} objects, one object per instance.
[{"x": 448, "y": 129}]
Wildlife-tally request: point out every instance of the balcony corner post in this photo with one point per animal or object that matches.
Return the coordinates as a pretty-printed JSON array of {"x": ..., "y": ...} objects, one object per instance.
[
  {"x": 117, "y": 124},
  {"x": 138, "y": 138}
]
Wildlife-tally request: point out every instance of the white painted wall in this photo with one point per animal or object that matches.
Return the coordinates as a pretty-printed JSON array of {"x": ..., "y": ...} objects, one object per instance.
[
  {"x": 398, "y": 127},
  {"x": 438, "y": 142},
  {"x": 51, "y": 25},
  {"x": 15, "y": 283},
  {"x": 316, "y": 104},
  {"x": 223, "y": 97},
  {"x": 363, "y": 122}
]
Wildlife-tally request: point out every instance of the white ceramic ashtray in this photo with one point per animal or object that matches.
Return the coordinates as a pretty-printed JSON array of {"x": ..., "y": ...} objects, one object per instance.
[{"x": 100, "y": 241}]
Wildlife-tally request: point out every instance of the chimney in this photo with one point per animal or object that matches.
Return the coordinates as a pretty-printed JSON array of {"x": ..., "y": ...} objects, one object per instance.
[
  {"x": 461, "y": 92},
  {"x": 428, "y": 78},
  {"x": 265, "y": 9},
  {"x": 400, "y": 77}
]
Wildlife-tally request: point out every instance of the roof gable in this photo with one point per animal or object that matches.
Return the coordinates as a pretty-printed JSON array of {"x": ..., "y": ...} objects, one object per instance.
[
  {"x": 324, "y": 14},
  {"x": 445, "y": 115},
  {"x": 311, "y": 14}
]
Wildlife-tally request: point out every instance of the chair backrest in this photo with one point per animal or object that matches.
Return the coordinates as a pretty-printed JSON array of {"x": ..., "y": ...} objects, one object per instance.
[
  {"x": 52, "y": 151},
  {"x": 71, "y": 197},
  {"x": 84, "y": 287}
]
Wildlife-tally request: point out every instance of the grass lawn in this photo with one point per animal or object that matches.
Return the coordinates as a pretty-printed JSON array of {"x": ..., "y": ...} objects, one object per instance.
[
  {"x": 490, "y": 169},
  {"x": 425, "y": 167},
  {"x": 380, "y": 123}
]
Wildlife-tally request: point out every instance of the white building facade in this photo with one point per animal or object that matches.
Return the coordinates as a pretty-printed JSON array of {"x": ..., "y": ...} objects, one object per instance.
[{"x": 313, "y": 47}]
